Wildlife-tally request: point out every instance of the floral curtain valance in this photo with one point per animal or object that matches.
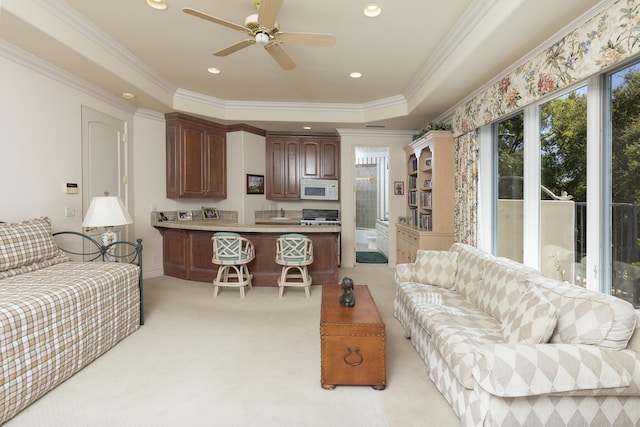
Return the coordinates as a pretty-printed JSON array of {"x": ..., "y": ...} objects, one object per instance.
[{"x": 608, "y": 38}]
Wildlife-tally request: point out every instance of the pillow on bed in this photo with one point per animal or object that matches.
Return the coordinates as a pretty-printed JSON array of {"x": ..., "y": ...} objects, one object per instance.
[{"x": 26, "y": 243}]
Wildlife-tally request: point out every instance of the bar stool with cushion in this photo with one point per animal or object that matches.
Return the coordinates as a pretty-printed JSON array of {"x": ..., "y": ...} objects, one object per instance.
[
  {"x": 294, "y": 252},
  {"x": 232, "y": 252}
]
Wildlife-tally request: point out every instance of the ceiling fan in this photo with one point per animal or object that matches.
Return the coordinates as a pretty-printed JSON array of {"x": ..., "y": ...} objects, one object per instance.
[{"x": 264, "y": 30}]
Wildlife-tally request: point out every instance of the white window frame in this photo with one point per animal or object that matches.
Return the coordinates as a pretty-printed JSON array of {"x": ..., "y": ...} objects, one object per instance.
[{"x": 597, "y": 183}]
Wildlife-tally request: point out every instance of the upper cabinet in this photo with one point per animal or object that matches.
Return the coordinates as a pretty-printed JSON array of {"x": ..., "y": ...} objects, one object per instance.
[
  {"x": 196, "y": 158},
  {"x": 292, "y": 156},
  {"x": 282, "y": 181},
  {"x": 320, "y": 158}
]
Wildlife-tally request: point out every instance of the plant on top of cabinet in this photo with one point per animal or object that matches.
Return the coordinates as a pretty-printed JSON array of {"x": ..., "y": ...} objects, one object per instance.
[{"x": 196, "y": 158}]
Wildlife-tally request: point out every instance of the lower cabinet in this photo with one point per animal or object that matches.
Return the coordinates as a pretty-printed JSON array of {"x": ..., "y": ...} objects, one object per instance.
[
  {"x": 382, "y": 237},
  {"x": 409, "y": 239},
  {"x": 187, "y": 255}
]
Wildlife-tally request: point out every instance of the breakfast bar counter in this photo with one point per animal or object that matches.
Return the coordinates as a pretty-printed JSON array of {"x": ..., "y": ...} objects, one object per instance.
[{"x": 187, "y": 249}]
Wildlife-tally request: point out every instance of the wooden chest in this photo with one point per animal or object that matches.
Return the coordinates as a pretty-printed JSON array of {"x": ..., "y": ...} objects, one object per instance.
[{"x": 352, "y": 340}]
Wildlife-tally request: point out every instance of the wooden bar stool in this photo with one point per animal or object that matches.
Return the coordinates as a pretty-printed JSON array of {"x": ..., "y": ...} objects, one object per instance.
[
  {"x": 232, "y": 251},
  {"x": 294, "y": 252}
]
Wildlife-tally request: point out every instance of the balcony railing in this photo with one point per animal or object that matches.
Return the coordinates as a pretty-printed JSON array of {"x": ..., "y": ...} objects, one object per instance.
[{"x": 625, "y": 253}]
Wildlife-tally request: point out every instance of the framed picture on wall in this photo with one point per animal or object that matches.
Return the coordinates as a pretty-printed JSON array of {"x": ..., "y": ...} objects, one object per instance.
[
  {"x": 398, "y": 188},
  {"x": 255, "y": 184}
]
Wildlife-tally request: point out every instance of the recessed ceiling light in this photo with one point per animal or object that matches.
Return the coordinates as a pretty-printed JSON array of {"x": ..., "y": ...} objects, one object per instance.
[
  {"x": 306, "y": 127},
  {"x": 128, "y": 96},
  {"x": 214, "y": 70},
  {"x": 355, "y": 75},
  {"x": 372, "y": 11},
  {"x": 157, "y": 4}
]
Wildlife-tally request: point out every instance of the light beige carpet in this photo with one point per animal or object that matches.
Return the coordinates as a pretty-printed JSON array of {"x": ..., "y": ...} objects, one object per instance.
[{"x": 202, "y": 361}]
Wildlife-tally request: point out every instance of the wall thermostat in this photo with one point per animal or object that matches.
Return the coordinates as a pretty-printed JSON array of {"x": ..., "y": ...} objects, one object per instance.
[{"x": 71, "y": 188}]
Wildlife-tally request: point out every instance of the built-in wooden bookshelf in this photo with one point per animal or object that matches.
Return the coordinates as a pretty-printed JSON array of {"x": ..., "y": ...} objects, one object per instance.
[{"x": 430, "y": 198}]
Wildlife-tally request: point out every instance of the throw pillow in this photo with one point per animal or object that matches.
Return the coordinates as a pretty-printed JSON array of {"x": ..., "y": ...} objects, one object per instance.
[
  {"x": 25, "y": 243},
  {"x": 436, "y": 268},
  {"x": 532, "y": 321}
]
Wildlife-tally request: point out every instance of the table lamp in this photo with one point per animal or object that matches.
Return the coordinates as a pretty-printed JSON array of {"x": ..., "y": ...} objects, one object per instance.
[{"x": 107, "y": 211}]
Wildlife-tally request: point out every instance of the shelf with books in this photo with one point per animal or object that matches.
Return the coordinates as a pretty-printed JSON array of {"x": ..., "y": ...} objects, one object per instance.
[{"x": 430, "y": 183}]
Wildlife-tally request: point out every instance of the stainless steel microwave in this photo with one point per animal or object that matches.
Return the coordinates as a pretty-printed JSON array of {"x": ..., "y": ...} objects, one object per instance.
[{"x": 318, "y": 189}]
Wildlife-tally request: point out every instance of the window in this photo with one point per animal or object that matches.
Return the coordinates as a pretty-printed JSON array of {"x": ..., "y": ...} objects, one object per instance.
[
  {"x": 563, "y": 186},
  {"x": 509, "y": 142},
  {"x": 542, "y": 161},
  {"x": 624, "y": 185}
]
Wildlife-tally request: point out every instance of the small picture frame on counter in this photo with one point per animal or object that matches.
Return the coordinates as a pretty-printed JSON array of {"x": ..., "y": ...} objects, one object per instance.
[
  {"x": 210, "y": 213},
  {"x": 255, "y": 184},
  {"x": 185, "y": 216}
]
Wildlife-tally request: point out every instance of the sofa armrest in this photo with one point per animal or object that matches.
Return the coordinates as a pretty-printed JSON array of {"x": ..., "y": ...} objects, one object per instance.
[
  {"x": 514, "y": 370},
  {"x": 404, "y": 273}
]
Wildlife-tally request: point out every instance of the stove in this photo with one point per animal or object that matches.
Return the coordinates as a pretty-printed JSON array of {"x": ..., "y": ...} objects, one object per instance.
[{"x": 320, "y": 217}]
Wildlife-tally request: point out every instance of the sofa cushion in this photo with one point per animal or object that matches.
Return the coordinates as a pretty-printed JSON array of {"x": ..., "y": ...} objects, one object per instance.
[
  {"x": 532, "y": 321},
  {"x": 503, "y": 283},
  {"x": 435, "y": 268},
  {"x": 513, "y": 370},
  {"x": 586, "y": 316},
  {"x": 469, "y": 272},
  {"x": 25, "y": 243},
  {"x": 457, "y": 344}
]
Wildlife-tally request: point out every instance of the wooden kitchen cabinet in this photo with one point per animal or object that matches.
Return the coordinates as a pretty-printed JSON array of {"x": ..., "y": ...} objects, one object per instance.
[
  {"x": 282, "y": 181},
  {"x": 196, "y": 158},
  {"x": 320, "y": 158},
  {"x": 187, "y": 255},
  {"x": 292, "y": 156}
]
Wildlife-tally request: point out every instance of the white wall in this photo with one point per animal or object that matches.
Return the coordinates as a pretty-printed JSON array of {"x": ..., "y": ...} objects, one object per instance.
[
  {"x": 350, "y": 139},
  {"x": 41, "y": 140},
  {"x": 246, "y": 155}
]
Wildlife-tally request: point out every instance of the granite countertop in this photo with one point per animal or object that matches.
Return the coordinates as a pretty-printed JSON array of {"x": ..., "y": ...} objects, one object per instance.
[
  {"x": 277, "y": 226},
  {"x": 278, "y": 221}
]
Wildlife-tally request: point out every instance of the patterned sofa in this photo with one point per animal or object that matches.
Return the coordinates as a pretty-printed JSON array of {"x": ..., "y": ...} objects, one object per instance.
[
  {"x": 509, "y": 347},
  {"x": 56, "y": 315}
]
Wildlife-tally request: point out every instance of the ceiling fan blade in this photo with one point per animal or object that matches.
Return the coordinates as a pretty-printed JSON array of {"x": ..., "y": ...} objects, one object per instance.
[
  {"x": 309, "y": 39},
  {"x": 219, "y": 21},
  {"x": 234, "y": 48},
  {"x": 268, "y": 13},
  {"x": 280, "y": 56}
]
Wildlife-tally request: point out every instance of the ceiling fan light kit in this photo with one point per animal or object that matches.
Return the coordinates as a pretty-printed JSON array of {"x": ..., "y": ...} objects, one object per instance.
[
  {"x": 262, "y": 38},
  {"x": 263, "y": 30}
]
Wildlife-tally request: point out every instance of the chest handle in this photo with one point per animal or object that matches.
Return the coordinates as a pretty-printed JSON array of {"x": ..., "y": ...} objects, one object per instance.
[{"x": 349, "y": 353}]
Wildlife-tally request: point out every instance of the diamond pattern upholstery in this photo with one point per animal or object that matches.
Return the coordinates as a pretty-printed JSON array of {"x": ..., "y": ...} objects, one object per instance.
[
  {"x": 435, "y": 268},
  {"x": 588, "y": 317},
  {"x": 485, "y": 346},
  {"x": 532, "y": 320}
]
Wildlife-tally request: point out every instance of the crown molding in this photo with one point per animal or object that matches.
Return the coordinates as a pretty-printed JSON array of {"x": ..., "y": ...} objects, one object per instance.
[
  {"x": 465, "y": 25},
  {"x": 34, "y": 63},
  {"x": 88, "y": 30}
]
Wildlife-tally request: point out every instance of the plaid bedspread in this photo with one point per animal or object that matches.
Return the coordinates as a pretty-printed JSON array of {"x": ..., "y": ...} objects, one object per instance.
[{"x": 56, "y": 320}]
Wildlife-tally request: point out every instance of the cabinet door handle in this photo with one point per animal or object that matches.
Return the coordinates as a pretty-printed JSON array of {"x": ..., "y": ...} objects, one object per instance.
[{"x": 349, "y": 352}]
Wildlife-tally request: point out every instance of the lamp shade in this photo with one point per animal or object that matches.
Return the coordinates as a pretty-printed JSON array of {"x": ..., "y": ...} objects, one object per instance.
[{"x": 107, "y": 211}]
